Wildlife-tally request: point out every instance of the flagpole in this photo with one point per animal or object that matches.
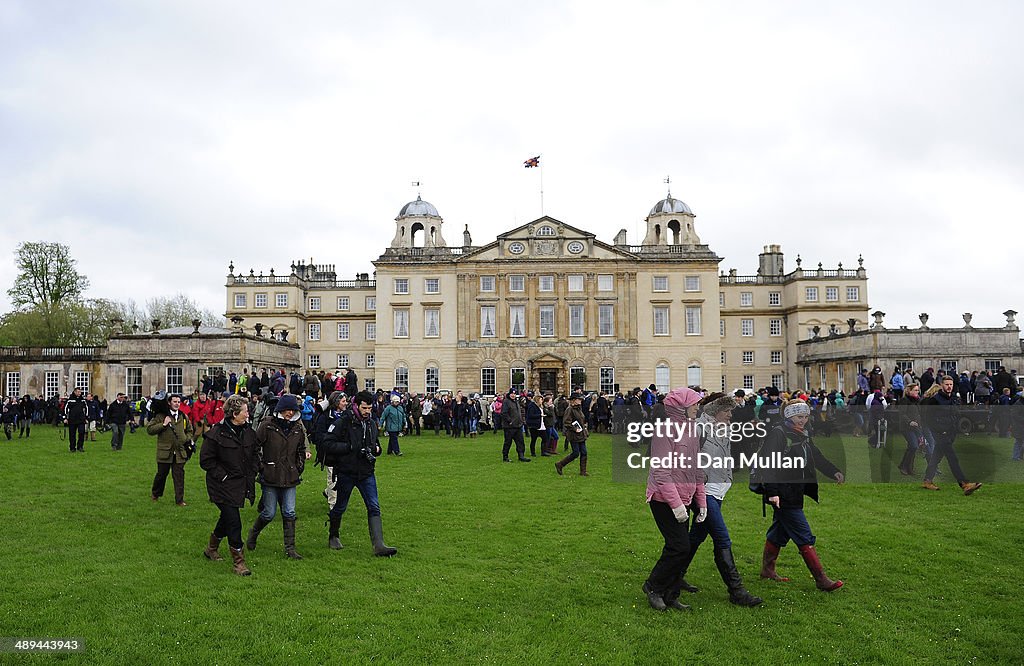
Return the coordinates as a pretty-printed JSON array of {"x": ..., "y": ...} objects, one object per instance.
[{"x": 542, "y": 190}]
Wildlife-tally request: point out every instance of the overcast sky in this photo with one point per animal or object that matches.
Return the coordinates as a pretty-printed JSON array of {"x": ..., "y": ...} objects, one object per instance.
[{"x": 163, "y": 139}]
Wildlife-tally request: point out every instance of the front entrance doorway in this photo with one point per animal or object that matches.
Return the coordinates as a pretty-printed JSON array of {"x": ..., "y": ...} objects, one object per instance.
[{"x": 548, "y": 381}]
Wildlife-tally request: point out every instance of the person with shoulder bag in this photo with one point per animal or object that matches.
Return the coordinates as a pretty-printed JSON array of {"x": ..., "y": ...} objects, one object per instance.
[{"x": 788, "y": 464}]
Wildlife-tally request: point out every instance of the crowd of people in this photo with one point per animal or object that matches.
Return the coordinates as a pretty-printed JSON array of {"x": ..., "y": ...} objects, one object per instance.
[{"x": 262, "y": 429}]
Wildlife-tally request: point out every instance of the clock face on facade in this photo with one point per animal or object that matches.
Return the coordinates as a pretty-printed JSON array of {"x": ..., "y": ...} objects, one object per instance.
[
  {"x": 575, "y": 247},
  {"x": 516, "y": 247}
]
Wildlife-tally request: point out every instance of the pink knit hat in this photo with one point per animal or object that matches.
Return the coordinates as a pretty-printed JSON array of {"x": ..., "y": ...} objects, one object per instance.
[{"x": 682, "y": 397}]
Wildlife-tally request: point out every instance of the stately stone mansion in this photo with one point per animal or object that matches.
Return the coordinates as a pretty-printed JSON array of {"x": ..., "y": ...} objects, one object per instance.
[
  {"x": 551, "y": 306},
  {"x": 546, "y": 305}
]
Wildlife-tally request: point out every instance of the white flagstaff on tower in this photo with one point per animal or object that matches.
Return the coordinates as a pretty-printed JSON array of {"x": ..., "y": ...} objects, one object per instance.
[{"x": 534, "y": 162}]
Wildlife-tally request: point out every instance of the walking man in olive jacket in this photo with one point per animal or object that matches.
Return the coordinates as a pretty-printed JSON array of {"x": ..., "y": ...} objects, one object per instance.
[{"x": 173, "y": 432}]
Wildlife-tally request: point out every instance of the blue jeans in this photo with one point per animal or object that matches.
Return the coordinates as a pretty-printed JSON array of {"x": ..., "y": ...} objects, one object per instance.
[
  {"x": 578, "y": 449},
  {"x": 912, "y": 440},
  {"x": 714, "y": 525},
  {"x": 271, "y": 496},
  {"x": 367, "y": 488},
  {"x": 929, "y": 441},
  {"x": 789, "y": 524}
]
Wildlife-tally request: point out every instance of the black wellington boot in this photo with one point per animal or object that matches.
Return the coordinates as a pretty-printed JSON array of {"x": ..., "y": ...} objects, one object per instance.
[
  {"x": 380, "y": 549},
  {"x": 289, "y": 539},
  {"x": 333, "y": 541},
  {"x": 732, "y": 579},
  {"x": 254, "y": 532}
]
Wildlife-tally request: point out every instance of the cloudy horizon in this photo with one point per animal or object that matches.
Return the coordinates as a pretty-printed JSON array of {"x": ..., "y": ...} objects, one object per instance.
[{"x": 162, "y": 140}]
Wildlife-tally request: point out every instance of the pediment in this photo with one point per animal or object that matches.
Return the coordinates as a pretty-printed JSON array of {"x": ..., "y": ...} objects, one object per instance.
[
  {"x": 547, "y": 358},
  {"x": 545, "y": 239}
]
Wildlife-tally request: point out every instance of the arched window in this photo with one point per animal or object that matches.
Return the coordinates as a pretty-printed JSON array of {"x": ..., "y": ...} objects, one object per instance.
[
  {"x": 662, "y": 377},
  {"x": 546, "y": 231},
  {"x": 432, "y": 379},
  {"x": 415, "y": 228},
  {"x": 693, "y": 374},
  {"x": 402, "y": 377}
]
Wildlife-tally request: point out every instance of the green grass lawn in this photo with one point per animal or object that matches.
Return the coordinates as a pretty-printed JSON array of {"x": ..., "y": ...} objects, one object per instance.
[{"x": 497, "y": 563}]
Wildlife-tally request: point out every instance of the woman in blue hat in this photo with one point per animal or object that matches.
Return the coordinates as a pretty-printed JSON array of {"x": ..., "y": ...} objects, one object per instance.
[{"x": 281, "y": 451}]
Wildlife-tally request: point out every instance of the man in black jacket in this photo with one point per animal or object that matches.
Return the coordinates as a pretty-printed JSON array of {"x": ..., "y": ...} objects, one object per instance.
[
  {"x": 512, "y": 423},
  {"x": 117, "y": 417},
  {"x": 942, "y": 414},
  {"x": 76, "y": 414},
  {"x": 351, "y": 383},
  {"x": 352, "y": 448}
]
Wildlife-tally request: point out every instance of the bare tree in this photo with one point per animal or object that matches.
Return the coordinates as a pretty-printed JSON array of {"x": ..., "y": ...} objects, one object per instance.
[{"x": 180, "y": 310}]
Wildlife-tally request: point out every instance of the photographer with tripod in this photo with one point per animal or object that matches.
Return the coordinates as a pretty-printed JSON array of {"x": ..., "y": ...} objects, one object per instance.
[{"x": 352, "y": 447}]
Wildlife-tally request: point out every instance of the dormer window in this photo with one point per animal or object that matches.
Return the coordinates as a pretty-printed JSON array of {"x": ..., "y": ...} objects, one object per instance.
[{"x": 546, "y": 231}]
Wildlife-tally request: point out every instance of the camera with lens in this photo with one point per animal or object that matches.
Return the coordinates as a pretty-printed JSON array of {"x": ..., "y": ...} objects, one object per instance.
[
  {"x": 159, "y": 405},
  {"x": 367, "y": 453}
]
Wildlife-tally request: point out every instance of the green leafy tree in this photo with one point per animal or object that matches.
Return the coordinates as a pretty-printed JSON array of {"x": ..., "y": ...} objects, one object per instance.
[
  {"x": 46, "y": 295},
  {"x": 51, "y": 311},
  {"x": 47, "y": 277}
]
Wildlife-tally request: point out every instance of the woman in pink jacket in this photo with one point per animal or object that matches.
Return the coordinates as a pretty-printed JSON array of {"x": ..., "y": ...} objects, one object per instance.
[{"x": 674, "y": 483}]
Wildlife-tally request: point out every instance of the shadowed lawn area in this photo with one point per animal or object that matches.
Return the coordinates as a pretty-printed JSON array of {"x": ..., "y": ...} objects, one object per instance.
[{"x": 499, "y": 563}]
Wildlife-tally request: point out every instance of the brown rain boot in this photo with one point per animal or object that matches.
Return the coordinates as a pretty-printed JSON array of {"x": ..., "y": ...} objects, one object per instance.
[
  {"x": 561, "y": 464},
  {"x": 969, "y": 488},
  {"x": 771, "y": 553},
  {"x": 211, "y": 550},
  {"x": 823, "y": 582},
  {"x": 583, "y": 466},
  {"x": 239, "y": 559}
]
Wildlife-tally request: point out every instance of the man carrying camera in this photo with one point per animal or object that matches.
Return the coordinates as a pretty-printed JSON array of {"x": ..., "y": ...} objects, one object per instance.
[
  {"x": 173, "y": 438},
  {"x": 352, "y": 447}
]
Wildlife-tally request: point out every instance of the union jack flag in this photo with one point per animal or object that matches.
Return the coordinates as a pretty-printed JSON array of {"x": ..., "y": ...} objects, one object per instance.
[{"x": 532, "y": 162}]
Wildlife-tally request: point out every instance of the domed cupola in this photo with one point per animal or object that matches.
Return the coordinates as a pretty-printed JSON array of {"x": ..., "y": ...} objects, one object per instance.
[
  {"x": 670, "y": 222},
  {"x": 420, "y": 208},
  {"x": 418, "y": 225},
  {"x": 671, "y": 206}
]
